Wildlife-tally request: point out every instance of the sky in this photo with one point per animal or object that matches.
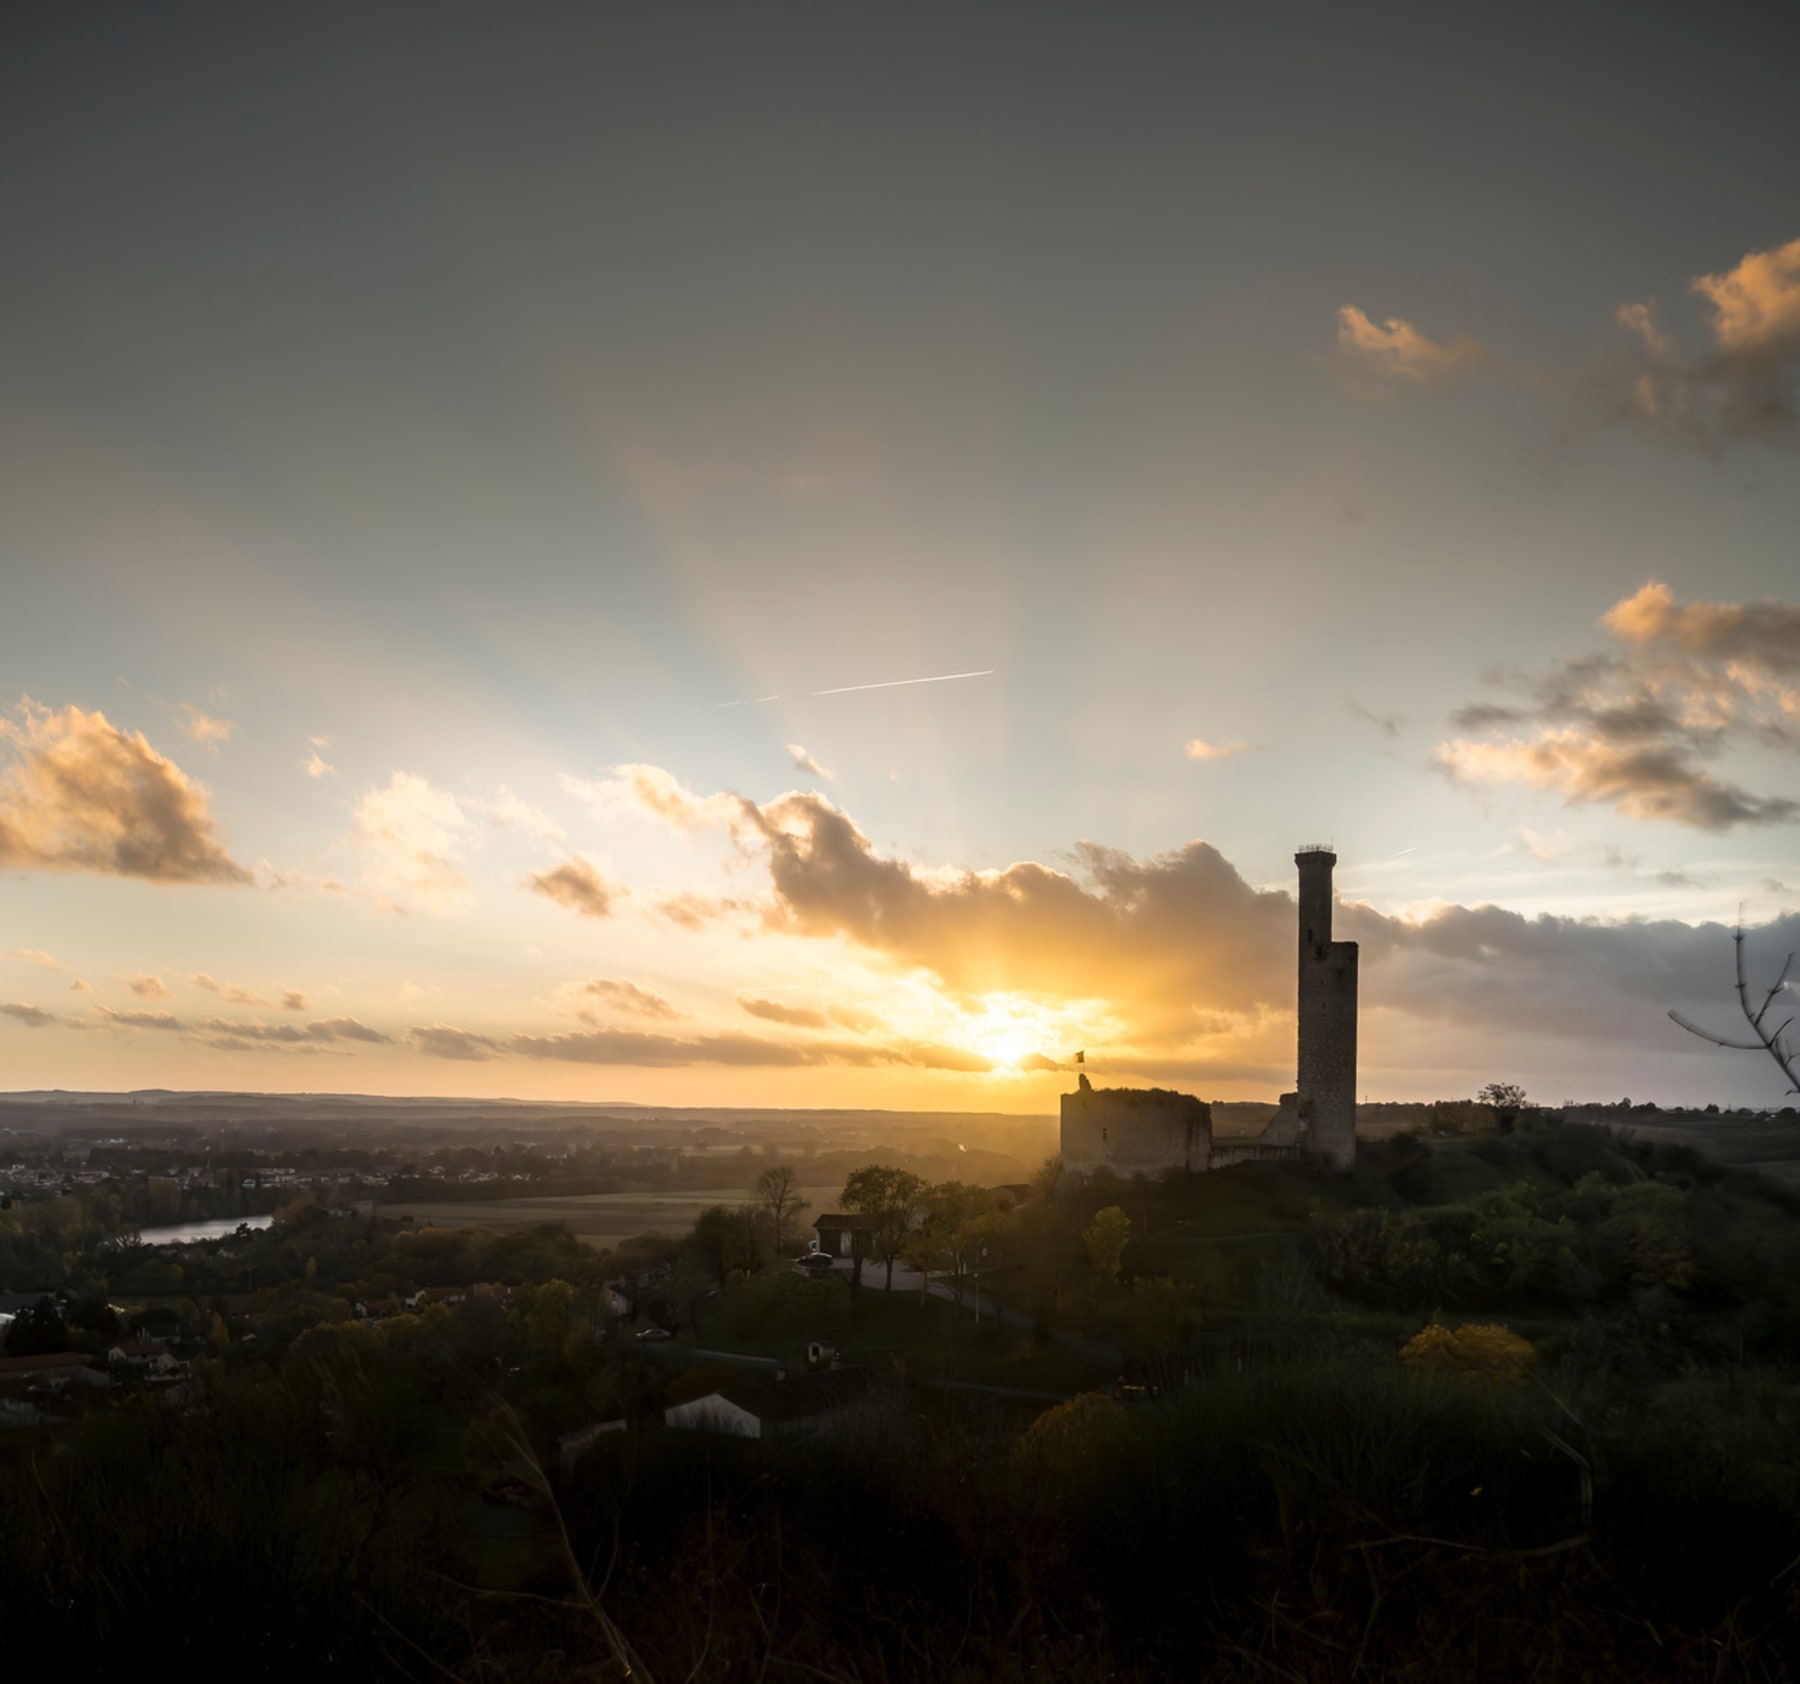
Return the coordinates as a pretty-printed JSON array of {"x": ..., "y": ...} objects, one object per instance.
[{"x": 798, "y": 554}]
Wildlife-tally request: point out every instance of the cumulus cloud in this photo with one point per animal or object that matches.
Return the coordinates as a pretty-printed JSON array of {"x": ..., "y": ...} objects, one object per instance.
[
  {"x": 203, "y": 727},
  {"x": 804, "y": 762},
  {"x": 1201, "y": 749},
  {"x": 510, "y": 812},
  {"x": 148, "y": 987},
  {"x": 322, "y": 1032},
  {"x": 441, "y": 1040},
  {"x": 626, "y": 997},
  {"x": 139, "y": 1020},
  {"x": 1190, "y": 965},
  {"x": 796, "y": 1016},
  {"x": 82, "y": 795},
  {"x": 233, "y": 992},
  {"x": 1633, "y": 728},
  {"x": 292, "y": 1000},
  {"x": 412, "y": 838},
  {"x": 652, "y": 1051},
  {"x": 652, "y": 792},
  {"x": 35, "y": 1017},
  {"x": 1743, "y": 385},
  {"x": 315, "y": 763},
  {"x": 578, "y": 885},
  {"x": 1396, "y": 351}
]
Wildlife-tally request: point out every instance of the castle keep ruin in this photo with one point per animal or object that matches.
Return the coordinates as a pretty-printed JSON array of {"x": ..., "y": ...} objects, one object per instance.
[{"x": 1143, "y": 1131}]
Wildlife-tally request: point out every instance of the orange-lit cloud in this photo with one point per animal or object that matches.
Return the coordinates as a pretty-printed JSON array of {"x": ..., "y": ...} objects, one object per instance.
[
  {"x": 464, "y": 1046},
  {"x": 324, "y": 1031},
  {"x": 578, "y": 885},
  {"x": 1634, "y": 729},
  {"x": 35, "y": 1017},
  {"x": 317, "y": 766},
  {"x": 139, "y": 1020},
  {"x": 652, "y": 1051},
  {"x": 148, "y": 987},
  {"x": 1744, "y": 384},
  {"x": 619, "y": 996},
  {"x": 203, "y": 727},
  {"x": 1200, "y": 749},
  {"x": 82, "y": 795},
  {"x": 1396, "y": 350},
  {"x": 798, "y": 1017},
  {"x": 1756, "y": 306}
]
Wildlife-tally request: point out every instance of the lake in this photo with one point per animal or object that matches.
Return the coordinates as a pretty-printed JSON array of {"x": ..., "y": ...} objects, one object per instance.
[{"x": 184, "y": 1233}]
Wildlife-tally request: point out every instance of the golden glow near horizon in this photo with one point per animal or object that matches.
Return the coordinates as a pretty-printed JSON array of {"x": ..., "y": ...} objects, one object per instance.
[{"x": 721, "y": 590}]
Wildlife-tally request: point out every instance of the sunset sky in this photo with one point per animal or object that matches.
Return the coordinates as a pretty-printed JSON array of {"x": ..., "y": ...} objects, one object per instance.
[{"x": 798, "y": 555}]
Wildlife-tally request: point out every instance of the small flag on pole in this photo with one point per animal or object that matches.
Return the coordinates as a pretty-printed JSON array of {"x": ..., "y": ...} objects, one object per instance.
[{"x": 1081, "y": 1058}]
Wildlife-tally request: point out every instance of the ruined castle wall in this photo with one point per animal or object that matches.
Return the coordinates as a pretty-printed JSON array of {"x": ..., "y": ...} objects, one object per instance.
[{"x": 1134, "y": 1131}]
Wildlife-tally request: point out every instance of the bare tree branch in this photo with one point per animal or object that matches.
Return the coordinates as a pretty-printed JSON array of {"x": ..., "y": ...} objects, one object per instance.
[{"x": 1765, "y": 1041}]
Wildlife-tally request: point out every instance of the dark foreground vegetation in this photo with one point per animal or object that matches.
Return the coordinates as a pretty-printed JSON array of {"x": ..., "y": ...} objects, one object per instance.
[{"x": 1497, "y": 1406}]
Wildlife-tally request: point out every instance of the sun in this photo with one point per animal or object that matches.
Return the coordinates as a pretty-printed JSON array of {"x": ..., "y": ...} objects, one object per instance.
[{"x": 1010, "y": 1029}]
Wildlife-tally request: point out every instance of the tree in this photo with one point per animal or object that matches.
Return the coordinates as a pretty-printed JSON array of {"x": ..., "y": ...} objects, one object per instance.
[
  {"x": 1767, "y": 1040},
  {"x": 888, "y": 1198},
  {"x": 1503, "y": 1096},
  {"x": 38, "y": 1331},
  {"x": 960, "y": 1221},
  {"x": 1106, "y": 1238},
  {"x": 777, "y": 1192}
]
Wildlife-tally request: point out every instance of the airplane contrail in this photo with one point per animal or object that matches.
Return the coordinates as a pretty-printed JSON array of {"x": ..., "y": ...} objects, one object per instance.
[
  {"x": 895, "y": 683},
  {"x": 747, "y": 702}
]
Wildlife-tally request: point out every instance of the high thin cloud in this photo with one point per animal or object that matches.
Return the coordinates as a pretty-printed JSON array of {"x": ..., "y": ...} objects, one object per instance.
[
  {"x": 509, "y": 812},
  {"x": 1633, "y": 728},
  {"x": 578, "y": 885},
  {"x": 1744, "y": 384},
  {"x": 627, "y": 997},
  {"x": 83, "y": 795},
  {"x": 1396, "y": 351},
  {"x": 412, "y": 838}
]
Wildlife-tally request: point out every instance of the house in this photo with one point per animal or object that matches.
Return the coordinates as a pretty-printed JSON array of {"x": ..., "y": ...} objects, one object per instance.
[
  {"x": 142, "y": 1356},
  {"x": 771, "y": 1409},
  {"x": 837, "y": 1234}
]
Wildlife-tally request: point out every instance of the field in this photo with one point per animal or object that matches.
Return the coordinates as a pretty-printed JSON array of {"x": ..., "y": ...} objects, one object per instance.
[{"x": 602, "y": 1219}]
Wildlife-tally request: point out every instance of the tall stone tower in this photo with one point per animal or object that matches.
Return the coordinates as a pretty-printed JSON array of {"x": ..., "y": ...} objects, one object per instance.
[{"x": 1327, "y": 1060}]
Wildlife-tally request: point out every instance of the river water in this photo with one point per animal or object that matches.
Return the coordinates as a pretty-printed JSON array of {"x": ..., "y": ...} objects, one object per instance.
[{"x": 182, "y": 1233}]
